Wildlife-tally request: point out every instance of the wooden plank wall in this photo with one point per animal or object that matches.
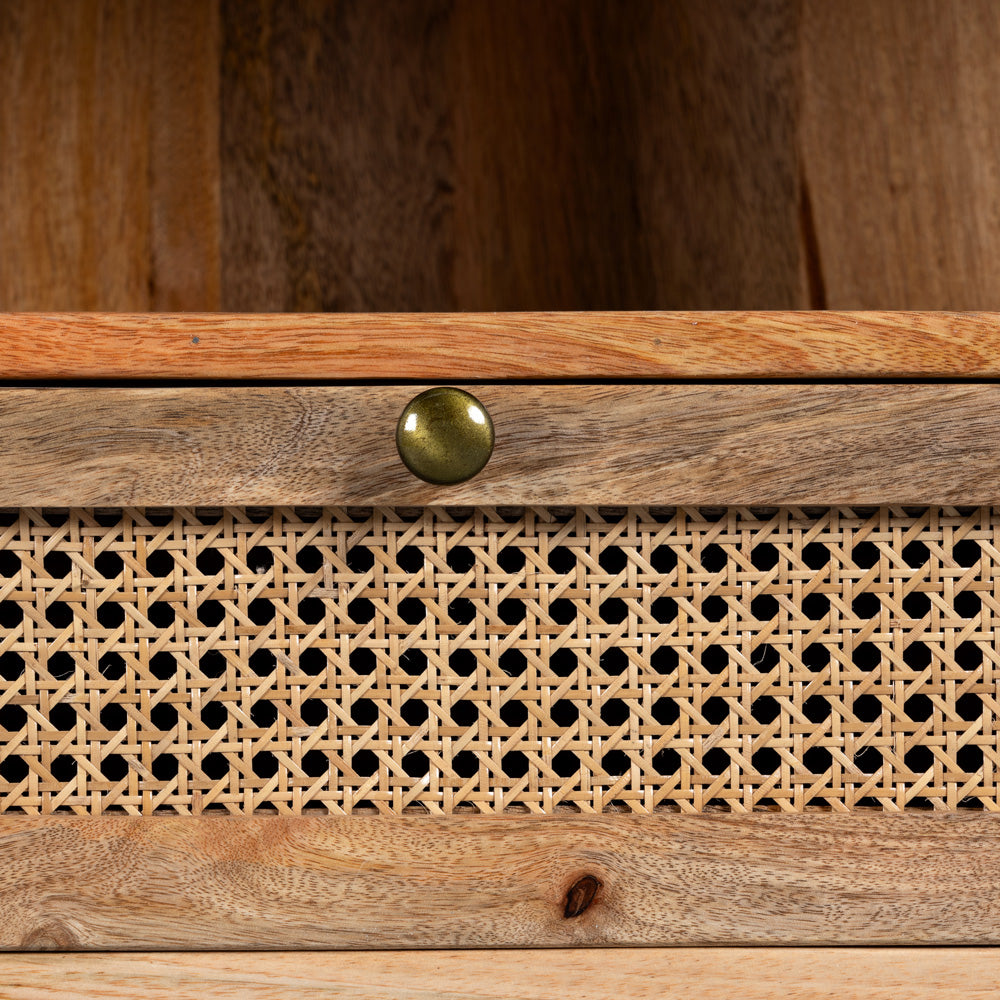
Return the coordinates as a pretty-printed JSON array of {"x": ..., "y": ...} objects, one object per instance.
[
  {"x": 502, "y": 156},
  {"x": 437, "y": 155},
  {"x": 900, "y": 137},
  {"x": 109, "y": 155}
]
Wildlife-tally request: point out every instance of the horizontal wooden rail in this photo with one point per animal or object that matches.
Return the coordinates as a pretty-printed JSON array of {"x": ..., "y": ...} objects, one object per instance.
[
  {"x": 651, "y": 973},
  {"x": 500, "y": 346},
  {"x": 615, "y": 444},
  {"x": 161, "y": 883}
]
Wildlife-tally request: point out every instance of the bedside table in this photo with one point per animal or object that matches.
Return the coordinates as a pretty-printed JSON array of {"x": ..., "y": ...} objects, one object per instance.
[{"x": 703, "y": 654}]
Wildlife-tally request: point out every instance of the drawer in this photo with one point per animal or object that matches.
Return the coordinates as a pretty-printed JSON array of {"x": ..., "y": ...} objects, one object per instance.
[
  {"x": 686, "y": 663},
  {"x": 689, "y": 444}
]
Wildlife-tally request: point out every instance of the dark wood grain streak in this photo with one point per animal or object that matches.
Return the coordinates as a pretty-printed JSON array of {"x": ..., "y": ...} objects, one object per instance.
[
  {"x": 184, "y": 198},
  {"x": 604, "y": 444},
  {"x": 577, "y": 154},
  {"x": 77, "y": 883},
  {"x": 714, "y": 102},
  {"x": 336, "y": 160}
]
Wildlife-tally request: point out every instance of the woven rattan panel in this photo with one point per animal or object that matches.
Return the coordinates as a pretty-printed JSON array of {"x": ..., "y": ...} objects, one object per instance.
[{"x": 282, "y": 659}]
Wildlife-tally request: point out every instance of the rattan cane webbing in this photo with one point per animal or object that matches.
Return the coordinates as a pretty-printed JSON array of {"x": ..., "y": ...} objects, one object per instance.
[{"x": 342, "y": 659}]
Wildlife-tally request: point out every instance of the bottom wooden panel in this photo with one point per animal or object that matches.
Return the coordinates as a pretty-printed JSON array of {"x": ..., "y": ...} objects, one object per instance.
[
  {"x": 663, "y": 974},
  {"x": 178, "y": 883}
]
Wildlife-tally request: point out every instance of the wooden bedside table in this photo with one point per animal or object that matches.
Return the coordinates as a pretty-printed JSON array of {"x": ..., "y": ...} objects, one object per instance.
[
  {"x": 689, "y": 662},
  {"x": 703, "y": 656}
]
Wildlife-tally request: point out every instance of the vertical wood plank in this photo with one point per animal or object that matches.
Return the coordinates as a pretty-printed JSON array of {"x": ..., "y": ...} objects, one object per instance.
[
  {"x": 437, "y": 156},
  {"x": 576, "y": 154},
  {"x": 107, "y": 161},
  {"x": 901, "y": 151},
  {"x": 336, "y": 156},
  {"x": 717, "y": 85},
  {"x": 622, "y": 156},
  {"x": 547, "y": 209},
  {"x": 184, "y": 198},
  {"x": 74, "y": 162}
]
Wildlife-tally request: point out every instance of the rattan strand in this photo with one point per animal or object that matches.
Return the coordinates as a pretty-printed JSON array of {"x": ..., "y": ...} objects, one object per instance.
[{"x": 289, "y": 660}]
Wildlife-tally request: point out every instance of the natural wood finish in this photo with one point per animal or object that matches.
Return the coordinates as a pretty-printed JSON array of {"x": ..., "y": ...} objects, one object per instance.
[
  {"x": 920, "y": 444},
  {"x": 900, "y": 137},
  {"x": 416, "y": 882},
  {"x": 650, "y": 974},
  {"x": 638, "y": 155},
  {"x": 490, "y": 347},
  {"x": 185, "y": 271},
  {"x": 578, "y": 154},
  {"x": 335, "y": 155},
  {"x": 109, "y": 155},
  {"x": 419, "y": 154}
]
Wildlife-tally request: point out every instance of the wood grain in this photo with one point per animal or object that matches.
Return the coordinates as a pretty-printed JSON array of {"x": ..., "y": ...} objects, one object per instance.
[
  {"x": 185, "y": 209},
  {"x": 853, "y": 444},
  {"x": 651, "y": 974},
  {"x": 583, "y": 154},
  {"x": 577, "y": 154},
  {"x": 490, "y": 347},
  {"x": 109, "y": 155},
  {"x": 901, "y": 151},
  {"x": 636, "y": 155},
  {"x": 211, "y": 883},
  {"x": 336, "y": 184}
]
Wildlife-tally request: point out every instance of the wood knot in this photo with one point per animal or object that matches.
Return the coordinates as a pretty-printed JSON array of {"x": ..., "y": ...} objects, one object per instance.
[
  {"x": 580, "y": 895},
  {"x": 49, "y": 936}
]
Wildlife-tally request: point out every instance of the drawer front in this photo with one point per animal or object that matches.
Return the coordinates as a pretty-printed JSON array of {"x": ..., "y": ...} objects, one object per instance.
[
  {"x": 684, "y": 664},
  {"x": 273, "y": 728},
  {"x": 567, "y": 445}
]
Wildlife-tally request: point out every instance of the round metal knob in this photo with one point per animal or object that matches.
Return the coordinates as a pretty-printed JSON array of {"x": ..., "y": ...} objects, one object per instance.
[{"x": 444, "y": 436}]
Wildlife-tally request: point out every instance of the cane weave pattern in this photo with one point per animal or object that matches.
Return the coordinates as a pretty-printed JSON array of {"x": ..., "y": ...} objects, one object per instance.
[{"x": 285, "y": 659}]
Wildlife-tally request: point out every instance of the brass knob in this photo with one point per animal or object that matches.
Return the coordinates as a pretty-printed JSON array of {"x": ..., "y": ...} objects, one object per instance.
[{"x": 444, "y": 436}]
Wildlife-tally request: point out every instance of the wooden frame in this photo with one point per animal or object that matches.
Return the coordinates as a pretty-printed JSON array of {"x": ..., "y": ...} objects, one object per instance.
[
  {"x": 516, "y": 881},
  {"x": 500, "y": 346},
  {"x": 519, "y": 881}
]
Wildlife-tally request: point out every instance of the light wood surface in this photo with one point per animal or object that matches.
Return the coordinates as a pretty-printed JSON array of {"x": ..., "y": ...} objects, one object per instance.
[
  {"x": 211, "y": 882},
  {"x": 496, "y": 347},
  {"x": 824, "y": 444},
  {"x": 109, "y": 155},
  {"x": 645, "y": 974}
]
